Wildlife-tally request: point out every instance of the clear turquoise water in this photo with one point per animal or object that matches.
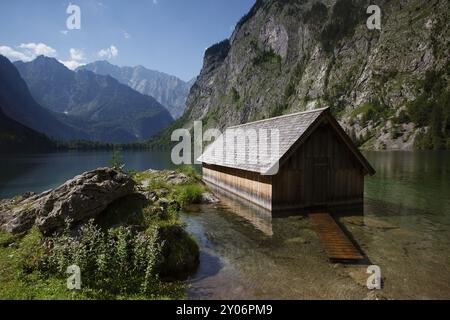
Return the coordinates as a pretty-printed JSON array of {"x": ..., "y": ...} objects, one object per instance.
[
  {"x": 247, "y": 254},
  {"x": 405, "y": 230}
]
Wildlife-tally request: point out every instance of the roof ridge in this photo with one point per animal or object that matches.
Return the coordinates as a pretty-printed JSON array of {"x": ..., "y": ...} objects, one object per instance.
[{"x": 282, "y": 116}]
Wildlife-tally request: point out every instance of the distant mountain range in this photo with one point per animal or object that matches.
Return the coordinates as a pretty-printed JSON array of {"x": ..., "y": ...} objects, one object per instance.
[
  {"x": 97, "y": 107},
  {"x": 168, "y": 90},
  {"x": 20, "y": 110}
]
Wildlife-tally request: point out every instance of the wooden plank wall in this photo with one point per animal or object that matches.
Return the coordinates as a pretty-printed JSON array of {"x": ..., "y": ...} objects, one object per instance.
[
  {"x": 292, "y": 188},
  {"x": 248, "y": 185}
]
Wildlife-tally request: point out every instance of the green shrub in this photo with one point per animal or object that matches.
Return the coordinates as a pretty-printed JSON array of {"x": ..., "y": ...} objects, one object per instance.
[
  {"x": 188, "y": 194},
  {"x": 267, "y": 57},
  {"x": 423, "y": 141},
  {"x": 432, "y": 109},
  {"x": 371, "y": 111},
  {"x": 118, "y": 261},
  {"x": 189, "y": 171},
  {"x": 5, "y": 239},
  {"x": 18, "y": 259},
  {"x": 419, "y": 111},
  {"x": 116, "y": 160},
  {"x": 30, "y": 251},
  {"x": 219, "y": 50}
]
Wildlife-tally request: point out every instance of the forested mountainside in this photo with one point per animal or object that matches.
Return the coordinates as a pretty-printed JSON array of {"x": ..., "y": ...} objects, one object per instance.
[
  {"x": 16, "y": 137},
  {"x": 389, "y": 88}
]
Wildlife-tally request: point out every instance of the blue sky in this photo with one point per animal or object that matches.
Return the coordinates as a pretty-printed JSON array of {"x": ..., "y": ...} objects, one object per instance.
[{"x": 165, "y": 35}]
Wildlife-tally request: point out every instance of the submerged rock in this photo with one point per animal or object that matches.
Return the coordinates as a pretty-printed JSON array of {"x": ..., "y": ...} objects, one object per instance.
[
  {"x": 79, "y": 199},
  {"x": 181, "y": 254},
  {"x": 371, "y": 222},
  {"x": 209, "y": 198}
]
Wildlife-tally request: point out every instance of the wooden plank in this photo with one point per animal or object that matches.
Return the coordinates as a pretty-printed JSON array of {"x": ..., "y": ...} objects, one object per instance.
[{"x": 337, "y": 245}]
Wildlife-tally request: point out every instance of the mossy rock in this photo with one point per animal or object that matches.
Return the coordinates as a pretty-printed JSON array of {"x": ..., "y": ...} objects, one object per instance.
[
  {"x": 181, "y": 254},
  {"x": 127, "y": 211}
]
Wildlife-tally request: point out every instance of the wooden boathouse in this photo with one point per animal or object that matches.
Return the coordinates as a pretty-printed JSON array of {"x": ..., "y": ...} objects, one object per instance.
[{"x": 318, "y": 164}]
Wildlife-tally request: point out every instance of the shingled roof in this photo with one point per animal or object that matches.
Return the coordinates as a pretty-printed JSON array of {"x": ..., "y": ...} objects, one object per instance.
[{"x": 292, "y": 128}]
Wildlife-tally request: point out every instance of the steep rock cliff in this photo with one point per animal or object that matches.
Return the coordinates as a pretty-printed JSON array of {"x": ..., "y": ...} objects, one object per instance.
[{"x": 389, "y": 88}]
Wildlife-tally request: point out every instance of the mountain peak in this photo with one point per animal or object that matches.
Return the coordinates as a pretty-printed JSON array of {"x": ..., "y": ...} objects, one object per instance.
[
  {"x": 42, "y": 58},
  {"x": 45, "y": 62},
  {"x": 99, "y": 105},
  {"x": 3, "y": 58},
  {"x": 167, "y": 89},
  {"x": 103, "y": 62}
]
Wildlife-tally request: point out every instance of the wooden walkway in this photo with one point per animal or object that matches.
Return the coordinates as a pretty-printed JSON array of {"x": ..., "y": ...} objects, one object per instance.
[{"x": 337, "y": 245}]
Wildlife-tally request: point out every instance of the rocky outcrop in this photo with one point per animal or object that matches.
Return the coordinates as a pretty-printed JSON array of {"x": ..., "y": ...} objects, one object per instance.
[
  {"x": 79, "y": 199},
  {"x": 287, "y": 56},
  {"x": 171, "y": 178}
]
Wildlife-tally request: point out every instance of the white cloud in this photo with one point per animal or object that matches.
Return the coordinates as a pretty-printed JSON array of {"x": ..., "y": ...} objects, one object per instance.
[
  {"x": 72, "y": 64},
  {"x": 27, "y": 51},
  {"x": 114, "y": 51},
  {"x": 108, "y": 53},
  {"x": 101, "y": 4},
  {"x": 12, "y": 54},
  {"x": 64, "y": 32},
  {"x": 126, "y": 35},
  {"x": 37, "y": 49},
  {"x": 76, "y": 54},
  {"x": 77, "y": 59}
]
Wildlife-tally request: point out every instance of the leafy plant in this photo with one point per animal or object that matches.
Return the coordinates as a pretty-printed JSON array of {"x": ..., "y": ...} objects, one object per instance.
[
  {"x": 116, "y": 160},
  {"x": 189, "y": 171},
  {"x": 117, "y": 260},
  {"x": 267, "y": 57},
  {"x": 187, "y": 194},
  {"x": 371, "y": 111}
]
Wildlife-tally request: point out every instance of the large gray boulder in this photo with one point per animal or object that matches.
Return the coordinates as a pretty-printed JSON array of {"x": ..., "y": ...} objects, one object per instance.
[{"x": 79, "y": 199}]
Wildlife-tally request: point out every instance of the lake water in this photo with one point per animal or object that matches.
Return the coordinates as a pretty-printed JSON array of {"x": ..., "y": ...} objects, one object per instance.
[
  {"x": 20, "y": 173},
  {"x": 248, "y": 254}
]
